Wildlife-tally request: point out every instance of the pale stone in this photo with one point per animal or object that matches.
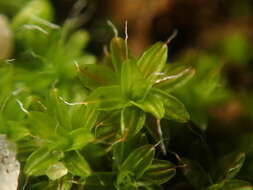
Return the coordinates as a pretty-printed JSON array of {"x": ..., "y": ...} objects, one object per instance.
[{"x": 9, "y": 166}]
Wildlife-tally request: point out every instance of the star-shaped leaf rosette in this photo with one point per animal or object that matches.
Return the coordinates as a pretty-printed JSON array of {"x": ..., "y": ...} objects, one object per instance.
[{"x": 134, "y": 87}]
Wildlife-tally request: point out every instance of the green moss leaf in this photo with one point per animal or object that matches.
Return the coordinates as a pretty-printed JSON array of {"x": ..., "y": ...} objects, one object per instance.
[
  {"x": 174, "y": 109},
  {"x": 40, "y": 160},
  {"x": 80, "y": 137},
  {"x": 94, "y": 75},
  {"x": 122, "y": 149},
  {"x": 153, "y": 104},
  {"x": 132, "y": 121},
  {"x": 234, "y": 184},
  {"x": 230, "y": 165},
  {"x": 100, "y": 181},
  {"x": 133, "y": 84},
  {"x": 194, "y": 173},
  {"x": 138, "y": 161},
  {"x": 118, "y": 53},
  {"x": 107, "y": 98},
  {"x": 76, "y": 164},
  {"x": 153, "y": 61},
  {"x": 175, "y": 76},
  {"x": 159, "y": 172},
  {"x": 56, "y": 171}
]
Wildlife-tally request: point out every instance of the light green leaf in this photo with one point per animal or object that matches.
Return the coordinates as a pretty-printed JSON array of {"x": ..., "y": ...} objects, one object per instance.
[
  {"x": 56, "y": 171},
  {"x": 152, "y": 104},
  {"x": 6, "y": 83},
  {"x": 176, "y": 76},
  {"x": 153, "y": 61},
  {"x": 107, "y": 98},
  {"x": 174, "y": 109},
  {"x": 42, "y": 125},
  {"x": 84, "y": 116},
  {"x": 77, "y": 41},
  {"x": 93, "y": 76},
  {"x": 32, "y": 26},
  {"x": 80, "y": 137},
  {"x": 60, "y": 111},
  {"x": 39, "y": 161},
  {"x": 37, "y": 8},
  {"x": 16, "y": 130},
  {"x": 118, "y": 53},
  {"x": 133, "y": 84}
]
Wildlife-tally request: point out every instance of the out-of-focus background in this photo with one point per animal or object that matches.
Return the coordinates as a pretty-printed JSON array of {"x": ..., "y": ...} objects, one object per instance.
[{"x": 200, "y": 23}]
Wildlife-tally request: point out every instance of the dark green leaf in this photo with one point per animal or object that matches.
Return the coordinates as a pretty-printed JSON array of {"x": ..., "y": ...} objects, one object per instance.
[
  {"x": 230, "y": 165},
  {"x": 122, "y": 149},
  {"x": 147, "y": 186},
  {"x": 159, "y": 172},
  {"x": 100, "y": 180},
  {"x": 76, "y": 164},
  {"x": 139, "y": 161},
  {"x": 234, "y": 184},
  {"x": 132, "y": 121},
  {"x": 107, "y": 126},
  {"x": 126, "y": 181},
  {"x": 194, "y": 173}
]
